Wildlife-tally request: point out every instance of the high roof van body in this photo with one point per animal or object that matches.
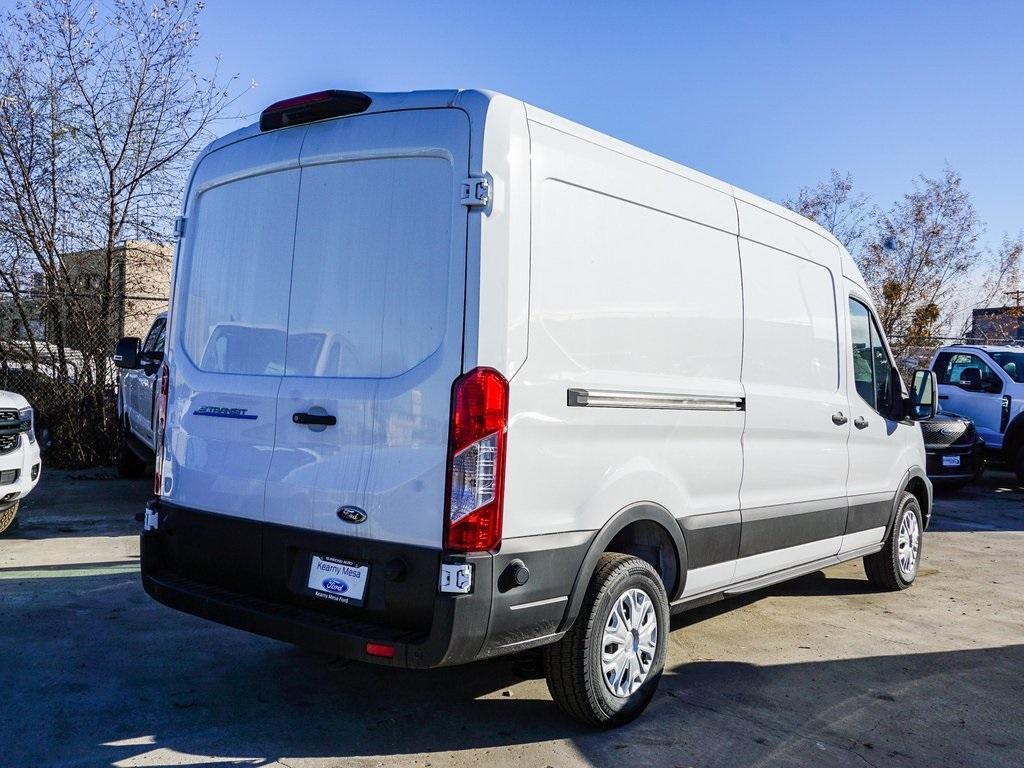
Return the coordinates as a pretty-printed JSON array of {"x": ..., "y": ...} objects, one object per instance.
[{"x": 449, "y": 377}]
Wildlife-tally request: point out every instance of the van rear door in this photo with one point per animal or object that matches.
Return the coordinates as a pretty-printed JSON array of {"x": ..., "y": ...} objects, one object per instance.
[
  {"x": 228, "y": 325},
  {"x": 375, "y": 327}
]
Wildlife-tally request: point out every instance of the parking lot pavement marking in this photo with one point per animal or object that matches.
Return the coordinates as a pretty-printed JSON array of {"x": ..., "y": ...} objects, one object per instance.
[{"x": 64, "y": 572}]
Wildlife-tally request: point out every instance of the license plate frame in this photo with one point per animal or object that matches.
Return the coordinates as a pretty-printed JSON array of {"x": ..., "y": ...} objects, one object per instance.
[
  {"x": 337, "y": 579},
  {"x": 951, "y": 461}
]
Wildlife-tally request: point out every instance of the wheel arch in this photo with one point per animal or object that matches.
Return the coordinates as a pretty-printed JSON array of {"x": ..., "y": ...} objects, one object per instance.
[
  {"x": 638, "y": 518},
  {"x": 914, "y": 481}
]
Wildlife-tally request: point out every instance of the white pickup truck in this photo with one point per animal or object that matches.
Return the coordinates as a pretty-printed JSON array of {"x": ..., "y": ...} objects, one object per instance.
[
  {"x": 19, "y": 455},
  {"x": 986, "y": 384},
  {"x": 139, "y": 362}
]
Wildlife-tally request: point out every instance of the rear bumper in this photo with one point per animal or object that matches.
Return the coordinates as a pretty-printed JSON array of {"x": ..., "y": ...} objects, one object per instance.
[{"x": 250, "y": 575}]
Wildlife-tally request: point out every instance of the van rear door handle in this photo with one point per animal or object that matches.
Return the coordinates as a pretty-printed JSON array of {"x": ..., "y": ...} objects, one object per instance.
[
  {"x": 317, "y": 419},
  {"x": 839, "y": 419},
  {"x": 860, "y": 422}
]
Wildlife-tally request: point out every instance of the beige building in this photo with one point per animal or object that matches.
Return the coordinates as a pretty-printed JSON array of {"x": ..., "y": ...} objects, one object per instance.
[{"x": 142, "y": 276}]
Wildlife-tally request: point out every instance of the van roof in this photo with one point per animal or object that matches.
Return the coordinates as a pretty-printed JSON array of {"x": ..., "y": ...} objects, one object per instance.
[{"x": 476, "y": 101}]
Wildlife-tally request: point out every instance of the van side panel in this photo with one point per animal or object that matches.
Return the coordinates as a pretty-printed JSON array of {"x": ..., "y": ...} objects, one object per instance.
[
  {"x": 795, "y": 456},
  {"x": 635, "y": 290}
]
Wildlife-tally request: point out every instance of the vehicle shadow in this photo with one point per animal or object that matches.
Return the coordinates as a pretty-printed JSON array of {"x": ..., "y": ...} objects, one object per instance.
[
  {"x": 993, "y": 503},
  {"x": 81, "y": 504},
  {"x": 816, "y": 584},
  {"x": 96, "y": 674}
]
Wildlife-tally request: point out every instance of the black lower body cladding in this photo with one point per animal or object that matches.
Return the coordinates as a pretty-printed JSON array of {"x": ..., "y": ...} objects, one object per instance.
[{"x": 252, "y": 576}]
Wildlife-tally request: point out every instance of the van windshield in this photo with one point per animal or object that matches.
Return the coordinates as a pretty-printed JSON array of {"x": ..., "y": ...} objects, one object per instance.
[
  {"x": 337, "y": 270},
  {"x": 1012, "y": 363}
]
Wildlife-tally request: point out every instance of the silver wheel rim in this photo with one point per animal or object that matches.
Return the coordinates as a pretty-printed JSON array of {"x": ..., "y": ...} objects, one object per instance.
[
  {"x": 629, "y": 643},
  {"x": 909, "y": 543}
]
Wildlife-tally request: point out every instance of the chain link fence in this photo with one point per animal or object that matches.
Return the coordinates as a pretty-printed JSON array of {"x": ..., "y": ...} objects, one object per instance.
[{"x": 57, "y": 353}]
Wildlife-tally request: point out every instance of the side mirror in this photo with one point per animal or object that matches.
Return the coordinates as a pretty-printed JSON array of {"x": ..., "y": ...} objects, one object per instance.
[
  {"x": 923, "y": 395},
  {"x": 126, "y": 353}
]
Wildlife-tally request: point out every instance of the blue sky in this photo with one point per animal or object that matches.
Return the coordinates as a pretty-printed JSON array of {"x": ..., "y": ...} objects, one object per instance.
[{"x": 767, "y": 96}]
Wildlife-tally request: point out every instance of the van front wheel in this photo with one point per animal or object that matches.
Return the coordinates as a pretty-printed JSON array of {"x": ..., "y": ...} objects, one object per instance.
[
  {"x": 605, "y": 670},
  {"x": 895, "y": 565}
]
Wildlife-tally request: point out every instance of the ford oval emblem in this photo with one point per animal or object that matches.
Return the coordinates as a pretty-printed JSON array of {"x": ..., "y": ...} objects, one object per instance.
[
  {"x": 335, "y": 585},
  {"x": 352, "y": 515}
]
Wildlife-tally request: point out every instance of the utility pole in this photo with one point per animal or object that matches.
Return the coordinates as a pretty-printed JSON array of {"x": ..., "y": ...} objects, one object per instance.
[{"x": 1016, "y": 296}]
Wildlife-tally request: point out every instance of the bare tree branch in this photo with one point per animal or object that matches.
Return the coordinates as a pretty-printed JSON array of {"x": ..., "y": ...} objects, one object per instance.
[{"x": 101, "y": 114}]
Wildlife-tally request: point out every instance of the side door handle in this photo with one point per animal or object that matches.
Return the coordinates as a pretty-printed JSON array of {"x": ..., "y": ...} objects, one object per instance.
[
  {"x": 839, "y": 418},
  {"x": 860, "y": 422},
  {"x": 315, "y": 419}
]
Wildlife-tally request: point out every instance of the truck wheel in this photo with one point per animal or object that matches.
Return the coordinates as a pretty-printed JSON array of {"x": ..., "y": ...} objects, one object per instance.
[
  {"x": 894, "y": 567},
  {"x": 128, "y": 464},
  {"x": 605, "y": 670},
  {"x": 7, "y": 518},
  {"x": 1018, "y": 465}
]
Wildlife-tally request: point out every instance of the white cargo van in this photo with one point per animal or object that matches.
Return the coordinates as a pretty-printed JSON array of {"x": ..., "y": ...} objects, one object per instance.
[{"x": 449, "y": 377}]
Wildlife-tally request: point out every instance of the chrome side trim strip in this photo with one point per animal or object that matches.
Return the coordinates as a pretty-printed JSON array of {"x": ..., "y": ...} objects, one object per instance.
[{"x": 592, "y": 398}]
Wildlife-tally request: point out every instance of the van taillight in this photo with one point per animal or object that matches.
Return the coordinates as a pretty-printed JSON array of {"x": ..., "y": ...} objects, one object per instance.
[
  {"x": 476, "y": 461},
  {"x": 161, "y": 425}
]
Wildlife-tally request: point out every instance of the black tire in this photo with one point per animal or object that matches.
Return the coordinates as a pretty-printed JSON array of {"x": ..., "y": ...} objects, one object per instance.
[
  {"x": 573, "y": 665},
  {"x": 128, "y": 463},
  {"x": 8, "y": 518},
  {"x": 883, "y": 568},
  {"x": 1018, "y": 465}
]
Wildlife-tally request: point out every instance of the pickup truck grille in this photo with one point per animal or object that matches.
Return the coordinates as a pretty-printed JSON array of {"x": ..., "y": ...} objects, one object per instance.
[
  {"x": 10, "y": 426},
  {"x": 8, "y": 443},
  {"x": 945, "y": 433}
]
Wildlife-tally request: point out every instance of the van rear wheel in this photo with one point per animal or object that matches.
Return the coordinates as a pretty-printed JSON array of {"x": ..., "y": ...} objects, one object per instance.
[
  {"x": 7, "y": 518},
  {"x": 605, "y": 670},
  {"x": 894, "y": 566}
]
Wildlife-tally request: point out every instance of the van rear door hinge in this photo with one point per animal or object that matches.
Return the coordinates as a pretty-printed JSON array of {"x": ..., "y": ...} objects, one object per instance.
[
  {"x": 179, "y": 227},
  {"x": 476, "y": 192}
]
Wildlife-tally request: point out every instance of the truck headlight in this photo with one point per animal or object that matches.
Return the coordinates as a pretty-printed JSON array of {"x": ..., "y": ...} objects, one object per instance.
[{"x": 27, "y": 419}]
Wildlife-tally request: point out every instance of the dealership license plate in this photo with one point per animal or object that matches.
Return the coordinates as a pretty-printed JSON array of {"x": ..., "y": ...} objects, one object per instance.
[
  {"x": 951, "y": 461},
  {"x": 340, "y": 580}
]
